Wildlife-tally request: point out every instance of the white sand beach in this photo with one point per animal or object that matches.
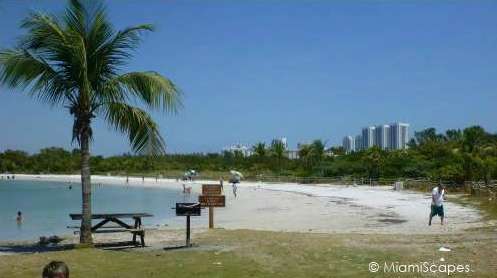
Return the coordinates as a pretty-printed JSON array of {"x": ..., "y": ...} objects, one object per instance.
[{"x": 312, "y": 208}]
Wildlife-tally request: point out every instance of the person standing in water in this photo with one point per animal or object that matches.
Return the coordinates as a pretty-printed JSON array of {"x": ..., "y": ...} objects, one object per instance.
[{"x": 19, "y": 218}]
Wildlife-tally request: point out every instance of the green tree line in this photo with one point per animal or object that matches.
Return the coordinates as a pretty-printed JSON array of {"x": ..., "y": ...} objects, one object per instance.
[{"x": 455, "y": 155}]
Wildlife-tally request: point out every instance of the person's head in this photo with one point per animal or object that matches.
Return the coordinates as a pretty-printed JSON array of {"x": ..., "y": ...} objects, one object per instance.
[
  {"x": 19, "y": 213},
  {"x": 55, "y": 269},
  {"x": 441, "y": 187}
]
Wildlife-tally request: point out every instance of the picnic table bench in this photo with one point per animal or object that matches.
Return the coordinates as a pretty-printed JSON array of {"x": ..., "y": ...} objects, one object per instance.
[{"x": 135, "y": 229}]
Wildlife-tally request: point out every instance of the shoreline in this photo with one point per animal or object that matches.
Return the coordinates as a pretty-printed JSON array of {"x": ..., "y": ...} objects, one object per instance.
[{"x": 316, "y": 208}]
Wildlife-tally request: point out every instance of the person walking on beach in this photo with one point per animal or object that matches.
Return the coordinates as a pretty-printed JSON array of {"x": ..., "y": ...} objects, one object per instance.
[
  {"x": 437, "y": 199},
  {"x": 234, "y": 189}
]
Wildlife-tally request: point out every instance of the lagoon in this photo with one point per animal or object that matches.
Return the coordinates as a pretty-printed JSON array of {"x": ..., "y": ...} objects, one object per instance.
[{"x": 46, "y": 205}]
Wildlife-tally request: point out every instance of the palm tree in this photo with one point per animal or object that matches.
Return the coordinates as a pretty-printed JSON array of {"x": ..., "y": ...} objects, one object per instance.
[
  {"x": 312, "y": 154},
  {"x": 318, "y": 149},
  {"x": 305, "y": 155},
  {"x": 74, "y": 61},
  {"x": 278, "y": 150},
  {"x": 373, "y": 160},
  {"x": 260, "y": 150}
]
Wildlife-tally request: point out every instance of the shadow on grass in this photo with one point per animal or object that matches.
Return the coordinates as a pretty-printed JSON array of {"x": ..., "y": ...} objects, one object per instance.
[
  {"x": 33, "y": 248},
  {"x": 30, "y": 248}
]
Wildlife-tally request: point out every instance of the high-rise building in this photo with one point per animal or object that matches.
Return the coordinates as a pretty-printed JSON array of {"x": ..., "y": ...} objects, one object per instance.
[
  {"x": 239, "y": 148},
  {"x": 358, "y": 143},
  {"x": 348, "y": 144},
  {"x": 368, "y": 137},
  {"x": 399, "y": 136},
  {"x": 283, "y": 141},
  {"x": 382, "y": 136},
  {"x": 386, "y": 137}
]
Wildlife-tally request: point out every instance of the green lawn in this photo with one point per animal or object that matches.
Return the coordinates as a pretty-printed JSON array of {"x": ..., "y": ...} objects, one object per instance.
[{"x": 246, "y": 253}]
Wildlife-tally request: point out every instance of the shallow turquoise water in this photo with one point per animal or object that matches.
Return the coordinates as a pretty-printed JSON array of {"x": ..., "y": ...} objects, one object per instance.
[{"x": 46, "y": 205}]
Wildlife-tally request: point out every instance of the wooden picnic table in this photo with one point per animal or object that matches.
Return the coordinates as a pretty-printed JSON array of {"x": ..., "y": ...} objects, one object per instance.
[{"x": 135, "y": 229}]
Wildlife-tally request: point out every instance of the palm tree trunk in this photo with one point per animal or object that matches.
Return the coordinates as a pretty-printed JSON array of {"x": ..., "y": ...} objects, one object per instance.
[{"x": 85, "y": 234}]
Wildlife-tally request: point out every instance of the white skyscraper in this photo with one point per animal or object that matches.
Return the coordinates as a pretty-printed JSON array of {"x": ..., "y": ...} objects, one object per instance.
[
  {"x": 358, "y": 143},
  {"x": 241, "y": 148},
  {"x": 382, "y": 136},
  {"x": 399, "y": 136},
  {"x": 348, "y": 144},
  {"x": 368, "y": 137},
  {"x": 283, "y": 141}
]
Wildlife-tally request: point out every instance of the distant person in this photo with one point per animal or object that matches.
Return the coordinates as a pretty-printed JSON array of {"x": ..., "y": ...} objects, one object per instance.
[
  {"x": 127, "y": 179},
  {"x": 19, "y": 217},
  {"x": 437, "y": 199},
  {"x": 235, "y": 189},
  {"x": 55, "y": 269},
  {"x": 221, "y": 181},
  {"x": 187, "y": 190},
  {"x": 143, "y": 178}
]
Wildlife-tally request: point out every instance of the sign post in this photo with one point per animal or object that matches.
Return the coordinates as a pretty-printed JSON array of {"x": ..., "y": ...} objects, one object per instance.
[
  {"x": 211, "y": 197},
  {"x": 211, "y": 217},
  {"x": 188, "y": 230},
  {"x": 187, "y": 209}
]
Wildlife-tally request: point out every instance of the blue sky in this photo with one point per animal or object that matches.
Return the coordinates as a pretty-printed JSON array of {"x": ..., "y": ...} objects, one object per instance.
[{"x": 254, "y": 70}]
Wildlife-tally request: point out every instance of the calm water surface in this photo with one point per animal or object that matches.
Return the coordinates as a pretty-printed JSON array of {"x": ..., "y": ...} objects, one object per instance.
[{"x": 46, "y": 205}]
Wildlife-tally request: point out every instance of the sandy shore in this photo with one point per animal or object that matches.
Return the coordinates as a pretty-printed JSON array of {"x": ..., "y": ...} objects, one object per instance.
[
  {"x": 302, "y": 208},
  {"x": 316, "y": 208}
]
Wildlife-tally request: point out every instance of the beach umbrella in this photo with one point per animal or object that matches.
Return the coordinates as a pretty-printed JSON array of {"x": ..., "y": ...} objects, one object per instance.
[{"x": 236, "y": 173}]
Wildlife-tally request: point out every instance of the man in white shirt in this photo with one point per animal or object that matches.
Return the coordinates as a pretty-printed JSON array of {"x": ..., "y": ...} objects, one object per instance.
[{"x": 437, "y": 199}]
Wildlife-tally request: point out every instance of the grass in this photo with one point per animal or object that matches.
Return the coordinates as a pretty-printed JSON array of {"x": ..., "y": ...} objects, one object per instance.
[{"x": 244, "y": 253}]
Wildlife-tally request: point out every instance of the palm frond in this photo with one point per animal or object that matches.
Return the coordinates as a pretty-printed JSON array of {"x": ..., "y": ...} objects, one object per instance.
[
  {"x": 43, "y": 30},
  {"x": 19, "y": 68},
  {"x": 151, "y": 88},
  {"x": 142, "y": 131},
  {"x": 75, "y": 59}
]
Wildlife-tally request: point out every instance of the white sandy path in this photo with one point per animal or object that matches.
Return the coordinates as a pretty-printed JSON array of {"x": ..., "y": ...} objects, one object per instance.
[{"x": 313, "y": 208}]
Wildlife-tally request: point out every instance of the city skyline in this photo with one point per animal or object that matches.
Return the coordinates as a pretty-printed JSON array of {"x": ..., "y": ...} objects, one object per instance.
[{"x": 394, "y": 136}]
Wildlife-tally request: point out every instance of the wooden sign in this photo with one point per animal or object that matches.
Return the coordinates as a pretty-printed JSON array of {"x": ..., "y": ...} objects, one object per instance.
[
  {"x": 211, "y": 189},
  {"x": 212, "y": 200},
  {"x": 187, "y": 209}
]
